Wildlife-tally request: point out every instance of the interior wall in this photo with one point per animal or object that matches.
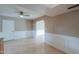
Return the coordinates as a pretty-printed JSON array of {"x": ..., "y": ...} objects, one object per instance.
[
  {"x": 23, "y": 28},
  {"x": 0, "y": 24},
  {"x": 62, "y": 31},
  {"x": 65, "y": 24},
  {"x": 22, "y": 25}
]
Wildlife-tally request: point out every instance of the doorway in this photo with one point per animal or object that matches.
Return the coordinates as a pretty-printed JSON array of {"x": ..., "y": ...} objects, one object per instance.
[{"x": 40, "y": 31}]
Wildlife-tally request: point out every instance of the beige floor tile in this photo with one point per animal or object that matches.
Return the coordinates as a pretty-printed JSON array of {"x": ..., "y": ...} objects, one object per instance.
[{"x": 29, "y": 46}]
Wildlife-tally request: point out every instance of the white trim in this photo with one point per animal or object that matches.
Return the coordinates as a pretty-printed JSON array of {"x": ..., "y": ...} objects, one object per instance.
[
  {"x": 16, "y": 35},
  {"x": 67, "y": 44}
]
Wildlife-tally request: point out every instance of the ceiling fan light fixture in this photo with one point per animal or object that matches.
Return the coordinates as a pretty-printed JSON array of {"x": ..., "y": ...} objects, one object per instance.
[{"x": 21, "y": 16}]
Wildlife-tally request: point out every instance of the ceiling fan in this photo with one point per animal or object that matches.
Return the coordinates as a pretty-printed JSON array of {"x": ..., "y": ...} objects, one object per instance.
[{"x": 21, "y": 14}]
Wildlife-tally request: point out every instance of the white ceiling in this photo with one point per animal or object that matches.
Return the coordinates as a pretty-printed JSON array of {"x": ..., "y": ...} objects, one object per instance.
[
  {"x": 34, "y": 10},
  {"x": 60, "y": 9}
]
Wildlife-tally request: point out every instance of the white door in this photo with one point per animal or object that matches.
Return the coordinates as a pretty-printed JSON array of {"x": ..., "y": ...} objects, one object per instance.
[
  {"x": 40, "y": 31},
  {"x": 8, "y": 26}
]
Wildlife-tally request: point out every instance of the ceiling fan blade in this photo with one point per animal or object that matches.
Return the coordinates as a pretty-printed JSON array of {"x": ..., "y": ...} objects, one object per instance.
[{"x": 26, "y": 15}]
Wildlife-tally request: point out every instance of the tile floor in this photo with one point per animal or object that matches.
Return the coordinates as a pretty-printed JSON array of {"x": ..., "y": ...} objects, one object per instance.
[{"x": 29, "y": 46}]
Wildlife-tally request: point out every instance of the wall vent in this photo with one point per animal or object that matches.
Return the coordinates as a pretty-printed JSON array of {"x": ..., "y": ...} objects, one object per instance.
[{"x": 77, "y": 5}]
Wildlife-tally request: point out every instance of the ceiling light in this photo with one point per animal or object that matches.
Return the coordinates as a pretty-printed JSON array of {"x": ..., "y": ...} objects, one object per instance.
[{"x": 21, "y": 16}]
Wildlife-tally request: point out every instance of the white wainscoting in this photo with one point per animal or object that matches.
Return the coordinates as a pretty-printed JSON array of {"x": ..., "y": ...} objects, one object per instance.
[
  {"x": 0, "y": 34},
  {"x": 16, "y": 35},
  {"x": 67, "y": 44}
]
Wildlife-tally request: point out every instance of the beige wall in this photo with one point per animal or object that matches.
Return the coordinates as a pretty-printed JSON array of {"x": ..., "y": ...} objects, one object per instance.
[
  {"x": 62, "y": 31},
  {"x": 0, "y": 24},
  {"x": 65, "y": 24},
  {"x": 20, "y": 24}
]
